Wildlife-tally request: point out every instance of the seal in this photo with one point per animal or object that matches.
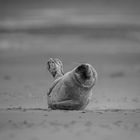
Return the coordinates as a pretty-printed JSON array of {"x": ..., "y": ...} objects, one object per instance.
[{"x": 72, "y": 90}]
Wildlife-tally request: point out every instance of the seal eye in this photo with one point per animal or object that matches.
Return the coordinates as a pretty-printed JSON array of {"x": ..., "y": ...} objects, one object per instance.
[{"x": 83, "y": 70}]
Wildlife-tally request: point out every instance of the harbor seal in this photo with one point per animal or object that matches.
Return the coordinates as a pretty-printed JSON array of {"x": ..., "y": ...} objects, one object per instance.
[{"x": 72, "y": 90}]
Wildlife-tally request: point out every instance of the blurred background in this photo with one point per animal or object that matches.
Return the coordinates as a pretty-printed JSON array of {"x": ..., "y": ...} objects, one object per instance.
[{"x": 104, "y": 33}]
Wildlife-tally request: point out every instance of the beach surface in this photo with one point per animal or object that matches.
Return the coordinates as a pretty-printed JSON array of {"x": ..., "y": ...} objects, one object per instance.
[
  {"x": 113, "y": 112},
  {"x": 39, "y": 124}
]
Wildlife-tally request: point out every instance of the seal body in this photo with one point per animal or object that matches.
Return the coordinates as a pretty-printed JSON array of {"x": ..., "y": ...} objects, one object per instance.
[{"x": 73, "y": 90}]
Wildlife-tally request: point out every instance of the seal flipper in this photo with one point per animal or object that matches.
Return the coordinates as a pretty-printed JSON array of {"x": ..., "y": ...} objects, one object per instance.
[
  {"x": 66, "y": 105},
  {"x": 55, "y": 67}
]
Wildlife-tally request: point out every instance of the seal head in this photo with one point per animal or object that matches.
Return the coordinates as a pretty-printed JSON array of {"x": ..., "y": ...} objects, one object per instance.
[{"x": 85, "y": 75}]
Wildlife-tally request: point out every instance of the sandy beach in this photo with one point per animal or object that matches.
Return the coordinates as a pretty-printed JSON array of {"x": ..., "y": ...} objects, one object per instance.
[
  {"x": 39, "y": 124},
  {"x": 112, "y": 114},
  {"x": 103, "y": 33}
]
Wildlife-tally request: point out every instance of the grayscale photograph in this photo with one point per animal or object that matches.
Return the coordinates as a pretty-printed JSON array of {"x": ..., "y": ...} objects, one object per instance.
[{"x": 69, "y": 69}]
